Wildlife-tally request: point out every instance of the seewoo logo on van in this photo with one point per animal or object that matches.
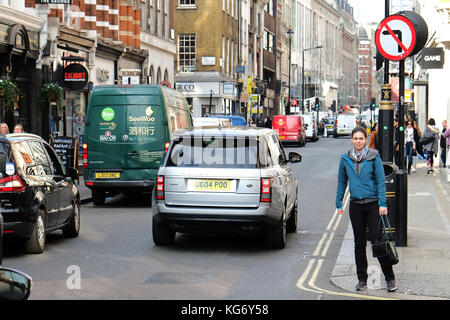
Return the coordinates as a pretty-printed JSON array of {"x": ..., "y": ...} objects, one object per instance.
[{"x": 108, "y": 114}]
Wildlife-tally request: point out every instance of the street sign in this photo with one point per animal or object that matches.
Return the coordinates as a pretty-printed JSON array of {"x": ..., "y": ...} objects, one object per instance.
[
  {"x": 293, "y": 102},
  {"x": 396, "y": 37}
]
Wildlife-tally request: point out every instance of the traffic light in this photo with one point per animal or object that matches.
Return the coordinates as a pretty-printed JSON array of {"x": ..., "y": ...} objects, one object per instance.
[
  {"x": 372, "y": 104},
  {"x": 317, "y": 104}
]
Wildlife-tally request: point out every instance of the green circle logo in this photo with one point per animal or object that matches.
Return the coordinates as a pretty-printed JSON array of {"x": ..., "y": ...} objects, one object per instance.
[{"x": 108, "y": 114}]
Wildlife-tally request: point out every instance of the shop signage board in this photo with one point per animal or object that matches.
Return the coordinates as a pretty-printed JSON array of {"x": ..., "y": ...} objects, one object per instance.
[
  {"x": 66, "y": 149},
  {"x": 54, "y": 1},
  {"x": 432, "y": 58},
  {"x": 75, "y": 76}
]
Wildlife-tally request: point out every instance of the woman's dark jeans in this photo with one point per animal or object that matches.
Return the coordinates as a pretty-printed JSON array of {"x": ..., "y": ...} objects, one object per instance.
[
  {"x": 363, "y": 216},
  {"x": 409, "y": 154}
]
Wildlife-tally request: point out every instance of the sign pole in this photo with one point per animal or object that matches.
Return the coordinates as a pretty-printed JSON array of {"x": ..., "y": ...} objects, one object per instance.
[{"x": 402, "y": 178}]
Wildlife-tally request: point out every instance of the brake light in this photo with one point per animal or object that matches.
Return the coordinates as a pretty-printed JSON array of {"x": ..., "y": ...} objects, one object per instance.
[
  {"x": 11, "y": 184},
  {"x": 85, "y": 156},
  {"x": 265, "y": 190},
  {"x": 166, "y": 146},
  {"x": 160, "y": 188},
  {"x": 335, "y": 122}
]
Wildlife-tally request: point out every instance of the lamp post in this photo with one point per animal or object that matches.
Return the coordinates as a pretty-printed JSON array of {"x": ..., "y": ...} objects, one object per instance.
[
  {"x": 288, "y": 107},
  {"x": 303, "y": 73}
]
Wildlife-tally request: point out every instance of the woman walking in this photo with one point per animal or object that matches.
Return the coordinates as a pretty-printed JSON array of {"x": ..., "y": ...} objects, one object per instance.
[
  {"x": 431, "y": 148},
  {"x": 410, "y": 144},
  {"x": 361, "y": 168},
  {"x": 418, "y": 151}
]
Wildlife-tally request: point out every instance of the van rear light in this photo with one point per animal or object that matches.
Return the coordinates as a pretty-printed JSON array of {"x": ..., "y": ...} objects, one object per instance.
[
  {"x": 85, "y": 156},
  {"x": 11, "y": 184},
  {"x": 160, "y": 188},
  {"x": 166, "y": 146},
  {"x": 265, "y": 190}
]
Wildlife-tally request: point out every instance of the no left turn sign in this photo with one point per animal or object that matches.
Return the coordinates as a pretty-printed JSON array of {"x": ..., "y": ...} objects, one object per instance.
[{"x": 396, "y": 37}]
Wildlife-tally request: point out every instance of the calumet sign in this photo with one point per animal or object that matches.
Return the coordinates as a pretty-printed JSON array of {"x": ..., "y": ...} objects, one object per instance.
[{"x": 75, "y": 76}]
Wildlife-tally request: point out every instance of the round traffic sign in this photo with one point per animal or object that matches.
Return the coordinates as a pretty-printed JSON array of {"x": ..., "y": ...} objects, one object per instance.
[{"x": 395, "y": 37}]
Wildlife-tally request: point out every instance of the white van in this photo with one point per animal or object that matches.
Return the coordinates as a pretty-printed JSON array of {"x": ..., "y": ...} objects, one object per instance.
[
  {"x": 311, "y": 129},
  {"x": 344, "y": 124}
]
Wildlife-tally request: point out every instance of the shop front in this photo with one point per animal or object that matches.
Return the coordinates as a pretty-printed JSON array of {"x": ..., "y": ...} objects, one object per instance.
[
  {"x": 207, "y": 98},
  {"x": 19, "y": 78}
]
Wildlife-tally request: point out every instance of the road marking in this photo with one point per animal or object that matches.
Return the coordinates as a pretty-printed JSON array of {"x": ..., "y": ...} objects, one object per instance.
[{"x": 333, "y": 224}]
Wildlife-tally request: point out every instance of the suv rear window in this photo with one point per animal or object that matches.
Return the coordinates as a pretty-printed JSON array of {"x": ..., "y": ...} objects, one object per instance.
[{"x": 214, "y": 152}]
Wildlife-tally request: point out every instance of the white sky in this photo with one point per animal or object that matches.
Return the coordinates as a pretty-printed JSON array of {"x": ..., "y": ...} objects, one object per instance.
[{"x": 366, "y": 11}]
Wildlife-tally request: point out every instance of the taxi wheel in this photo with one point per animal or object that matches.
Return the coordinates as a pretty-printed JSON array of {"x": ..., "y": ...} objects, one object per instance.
[
  {"x": 162, "y": 234},
  {"x": 36, "y": 243},
  {"x": 276, "y": 237},
  {"x": 291, "y": 223},
  {"x": 72, "y": 229}
]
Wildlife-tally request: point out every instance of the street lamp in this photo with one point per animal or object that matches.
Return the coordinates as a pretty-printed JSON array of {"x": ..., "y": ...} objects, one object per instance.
[
  {"x": 303, "y": 73},
  {"x": 290, "y": 32}
]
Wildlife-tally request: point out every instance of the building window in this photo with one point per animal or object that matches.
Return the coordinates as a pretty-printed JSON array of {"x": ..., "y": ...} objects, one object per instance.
[
  {"x": 269, "y": 8},
  {"x": 268, "y": 41},
  {"x": 187, "y": 2},
  {"x": 186, "y": 49}
]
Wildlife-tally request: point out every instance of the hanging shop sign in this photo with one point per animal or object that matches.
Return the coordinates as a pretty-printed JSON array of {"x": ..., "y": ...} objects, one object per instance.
[
  {"x": 432, "y": 58},
  {"x": 55, "y": 1},
  {"x": 75, "y": 76}
]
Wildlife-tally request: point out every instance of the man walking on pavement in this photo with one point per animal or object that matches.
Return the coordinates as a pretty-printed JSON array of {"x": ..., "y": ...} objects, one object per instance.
[
  {"x": 446, "y": 136},
  {"x": 443, "y": 144}
]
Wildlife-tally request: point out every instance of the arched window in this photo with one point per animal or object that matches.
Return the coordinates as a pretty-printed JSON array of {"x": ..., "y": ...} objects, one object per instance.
[
  {"x": 152, "y": 76},
  {"x": 158, "y": 77},
  {"x": 166, "y": 76}
]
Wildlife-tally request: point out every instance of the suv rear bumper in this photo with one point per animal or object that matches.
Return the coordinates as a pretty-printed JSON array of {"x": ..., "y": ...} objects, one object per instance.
[
  {"x": 211, "y": 219},
  {"x": 117, "y": 184}
]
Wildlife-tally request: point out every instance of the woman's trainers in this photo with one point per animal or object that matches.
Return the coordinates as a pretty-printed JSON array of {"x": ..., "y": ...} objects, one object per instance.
[
  {"x": 361, "y": 285},
  {"x": 391, "y": 285}
]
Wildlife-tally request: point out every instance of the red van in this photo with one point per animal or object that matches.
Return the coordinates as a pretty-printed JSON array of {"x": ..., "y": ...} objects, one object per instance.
[{"x": 290, "y": 128}]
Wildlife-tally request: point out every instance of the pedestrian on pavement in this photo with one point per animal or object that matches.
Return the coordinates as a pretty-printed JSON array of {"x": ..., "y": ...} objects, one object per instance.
[
  {"x": 419, "y": 150},
  {"x": 410, "y": 144},
  {"x": 18, "y": 129},
  {"x": 250, "y": 122},
  {"x": 4, "y": 129},
  {"x": 362, "y": 169},
  {"x": 431, "y": 148},
  {"x": 446, "y": 135},
  {"x": 443, "y": 144},
  {"x": 396, "y": 143},
  {"x": 374, "y": 142}
]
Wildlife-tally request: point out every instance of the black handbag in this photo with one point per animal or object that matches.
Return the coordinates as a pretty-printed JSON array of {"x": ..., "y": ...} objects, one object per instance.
[{"x": 383, "y": 248}]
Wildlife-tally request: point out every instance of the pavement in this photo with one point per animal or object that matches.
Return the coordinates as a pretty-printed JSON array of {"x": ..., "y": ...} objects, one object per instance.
[{"x": 424, "y": 268}]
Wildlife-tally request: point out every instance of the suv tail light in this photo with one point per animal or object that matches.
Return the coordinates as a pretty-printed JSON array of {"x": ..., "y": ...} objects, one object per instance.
[
  {"x": 266, "y": 190},
  {"x": 335, "y": 122},
  {"x": 11, "y": 184},
  {"x": 166, "y": 146},
  {"x": 160, "y": 188},
  {"x": 85, "y": 156}
]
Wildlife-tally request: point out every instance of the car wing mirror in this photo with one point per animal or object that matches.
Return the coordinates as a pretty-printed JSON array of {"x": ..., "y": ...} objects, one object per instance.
[
  {"x": 295, "y": 157},
  {"x": 14, "y": 284}
]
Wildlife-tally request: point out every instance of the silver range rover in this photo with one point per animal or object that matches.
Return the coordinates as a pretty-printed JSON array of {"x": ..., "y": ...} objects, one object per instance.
[{"x": 235, "y": 179}]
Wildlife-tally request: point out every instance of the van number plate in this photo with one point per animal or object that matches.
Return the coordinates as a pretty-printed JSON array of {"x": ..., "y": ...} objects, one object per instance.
[
  {"x": 211, "y": 185},
  {"x": 107, "y": 175}
]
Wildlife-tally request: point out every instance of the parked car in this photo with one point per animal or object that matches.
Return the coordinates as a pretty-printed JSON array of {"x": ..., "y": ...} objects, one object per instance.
[
  {"x": 211, "y": 122},
  {"x": 290, "y": 128},
  {"x": 329, "y": 125},
  {"x": 311, "y": 128},
  {"x": 236, "y": 121},
  {"x": 37, "y": 195},
  {"x": 135, "y": 124},
  {"x": 222, "y": 181},
  {"x": 344, "y": 124}
]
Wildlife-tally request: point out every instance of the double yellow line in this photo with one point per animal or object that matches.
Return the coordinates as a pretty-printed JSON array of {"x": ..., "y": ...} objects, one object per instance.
[{"x": 312, "y": 270}]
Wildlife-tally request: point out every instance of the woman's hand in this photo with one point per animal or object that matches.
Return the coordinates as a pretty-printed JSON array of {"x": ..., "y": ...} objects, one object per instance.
[
  {"x": 340, "y": 211},
  {"x": 383, "y": 211}
]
